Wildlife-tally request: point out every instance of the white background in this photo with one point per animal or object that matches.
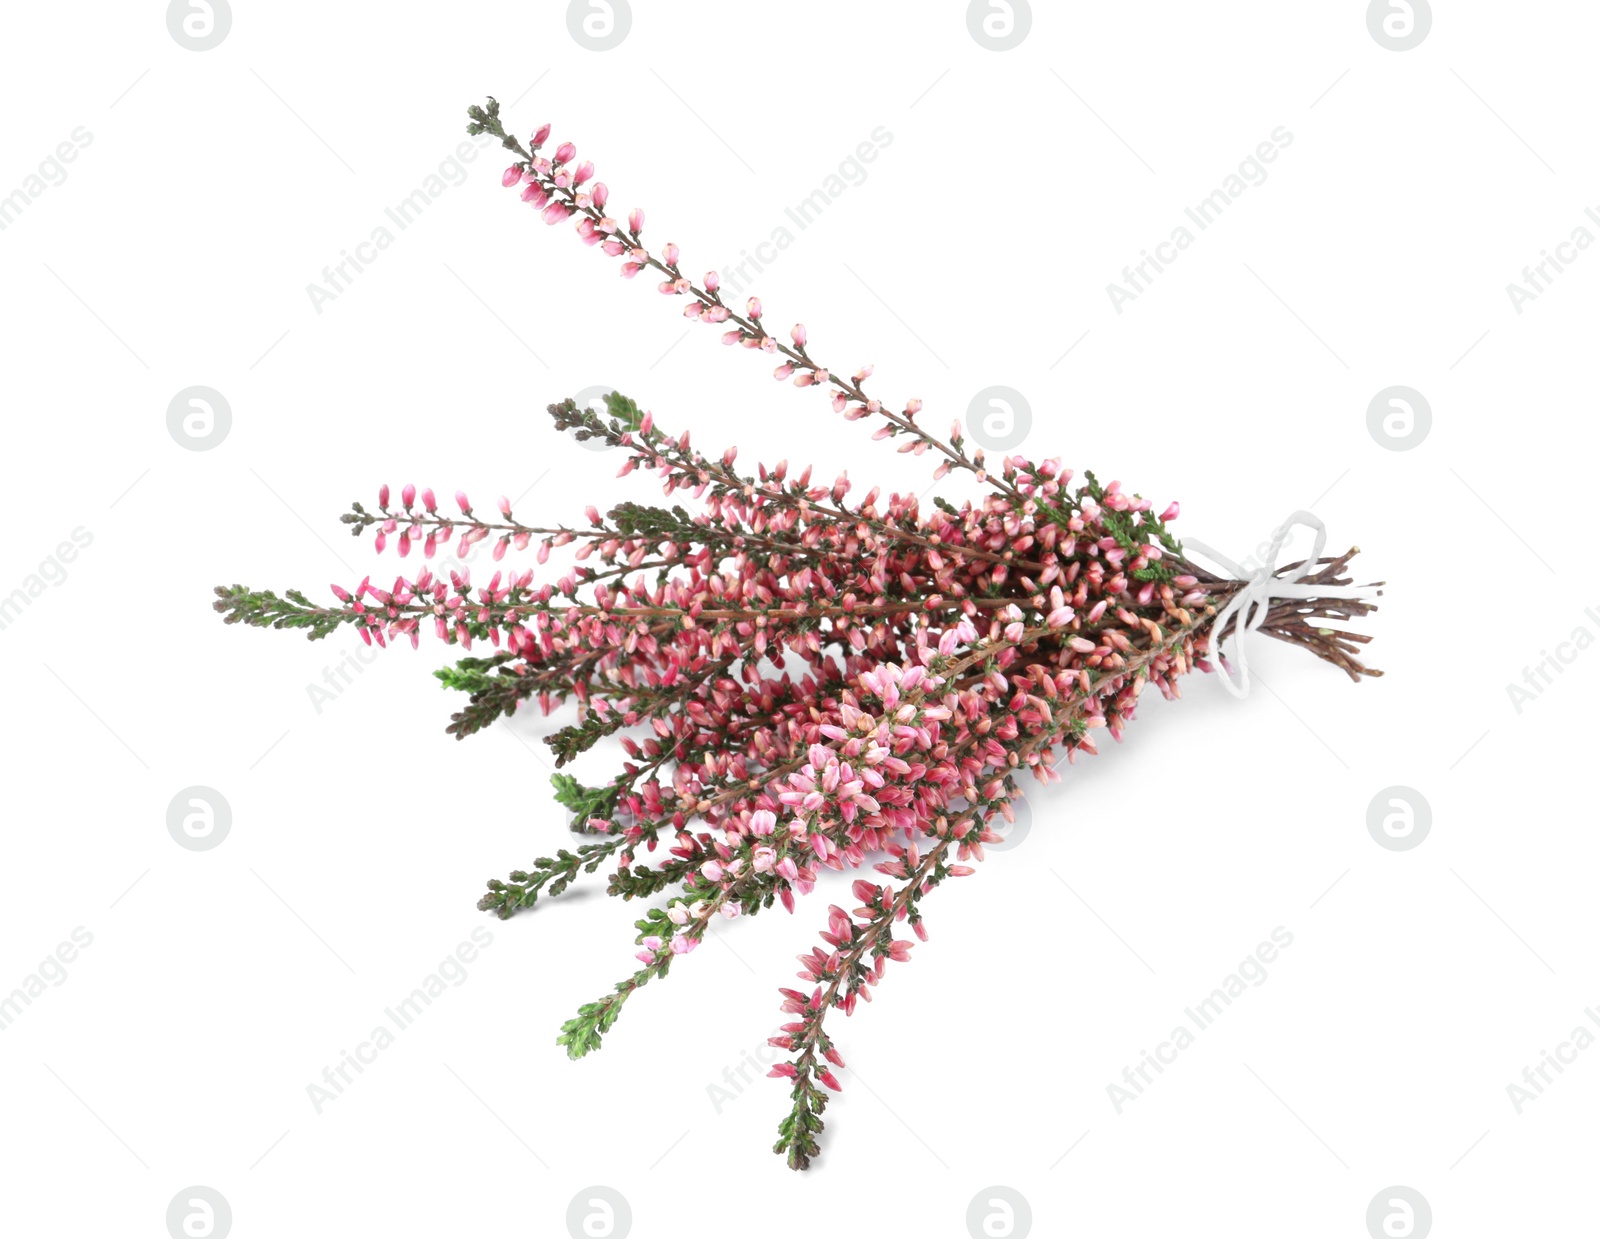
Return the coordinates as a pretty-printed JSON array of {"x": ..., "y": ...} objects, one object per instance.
[{"x": 219, "y": 984}]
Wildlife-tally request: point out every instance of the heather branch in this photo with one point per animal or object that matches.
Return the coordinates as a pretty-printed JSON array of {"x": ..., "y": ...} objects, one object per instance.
[
  {"x": 798, "y": 1132},
  {"x": 816, "y": 684},
  {"x": 559, "y": 193}
]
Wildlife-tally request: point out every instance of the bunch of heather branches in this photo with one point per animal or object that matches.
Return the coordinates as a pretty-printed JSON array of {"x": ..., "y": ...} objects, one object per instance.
[{"x": 800, "y": 681}]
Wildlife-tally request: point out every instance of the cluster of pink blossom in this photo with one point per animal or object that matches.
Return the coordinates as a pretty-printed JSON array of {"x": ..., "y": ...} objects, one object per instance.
[{"x": 799, "y": 683}]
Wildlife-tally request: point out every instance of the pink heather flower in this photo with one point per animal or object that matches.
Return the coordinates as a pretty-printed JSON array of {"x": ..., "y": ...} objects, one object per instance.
[
  {"x": 798, "y": 683},
  {"x": 539, "y": 136}
]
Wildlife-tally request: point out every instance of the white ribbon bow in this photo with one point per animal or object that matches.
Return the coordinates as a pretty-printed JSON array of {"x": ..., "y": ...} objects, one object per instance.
[{"x": 1253, "y": 602}]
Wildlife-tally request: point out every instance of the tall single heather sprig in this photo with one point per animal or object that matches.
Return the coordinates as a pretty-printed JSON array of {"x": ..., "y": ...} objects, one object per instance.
[{"x": 800, "y": 681}]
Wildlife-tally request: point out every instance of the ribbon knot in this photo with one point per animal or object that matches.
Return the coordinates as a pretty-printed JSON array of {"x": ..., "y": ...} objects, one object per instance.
[{"x": 1252, "y": 603}]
